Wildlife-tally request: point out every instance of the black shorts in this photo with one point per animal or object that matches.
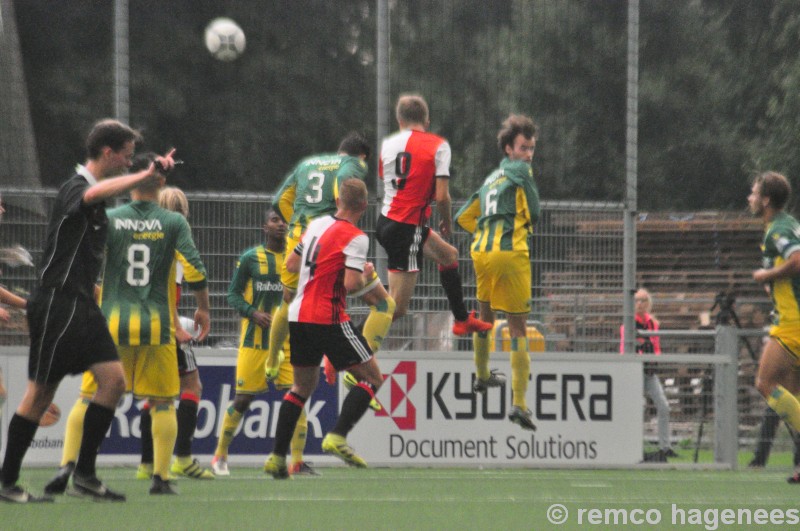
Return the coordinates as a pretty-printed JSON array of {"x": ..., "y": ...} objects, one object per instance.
[
  {"x": 187, "y": 362},
  {"x": 403, "y": 243},
  {"x": 68, "y": 335},
  {"x": 342, "y": 343}
]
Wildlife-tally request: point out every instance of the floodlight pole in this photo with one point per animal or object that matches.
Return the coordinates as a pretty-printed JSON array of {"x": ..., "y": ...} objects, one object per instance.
[
  {"x": 121, "y": 62},
  {"x": 382, "y": 112},
  {"x": 631, "y": 168}
]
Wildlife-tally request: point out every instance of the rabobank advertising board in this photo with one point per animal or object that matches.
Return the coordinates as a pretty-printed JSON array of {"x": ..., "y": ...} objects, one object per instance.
[
  {"x": 587, "y": 409},
  {"x": 587, "y": 413}
]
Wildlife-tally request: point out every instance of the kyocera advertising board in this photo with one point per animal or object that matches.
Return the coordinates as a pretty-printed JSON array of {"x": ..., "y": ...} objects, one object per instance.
[{"x": 586, "y": 414}]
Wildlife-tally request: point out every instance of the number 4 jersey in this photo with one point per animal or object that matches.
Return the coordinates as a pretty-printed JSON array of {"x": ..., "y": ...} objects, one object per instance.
[
  {"x": 138, "y": 295},
  {"x": 329, "y": 246}
]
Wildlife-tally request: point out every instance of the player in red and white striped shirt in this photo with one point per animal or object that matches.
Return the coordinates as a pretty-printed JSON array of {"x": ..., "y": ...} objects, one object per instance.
[
  {"x": 332, "y": 261},
  {"x": 415, "y": 168}
]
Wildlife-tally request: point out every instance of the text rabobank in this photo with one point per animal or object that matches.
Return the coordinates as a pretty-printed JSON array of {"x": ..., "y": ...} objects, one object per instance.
[{"x": 256, "y": 431}]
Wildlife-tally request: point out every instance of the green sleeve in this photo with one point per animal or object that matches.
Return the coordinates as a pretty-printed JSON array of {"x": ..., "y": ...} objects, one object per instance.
[
  {"x": 467, "y": 216},
  {"x": 285, "y": 196},
  {"x": 194, "y": 272},
  {"x": 241, "y": 276},
  {"x": 523, "y": 177}
]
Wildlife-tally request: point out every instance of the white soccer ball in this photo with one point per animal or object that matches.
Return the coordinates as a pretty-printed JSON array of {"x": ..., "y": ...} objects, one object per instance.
[{"x": 224, "y": 39}]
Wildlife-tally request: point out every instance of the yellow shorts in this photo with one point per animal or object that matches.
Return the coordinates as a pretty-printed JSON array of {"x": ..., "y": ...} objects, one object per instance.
[
  {"x": 290, "y": 280},
  {"x": 251, "y": 376},
  {"x": 151, "y": 371},
  {"x": 789, "y": 338},
  {"x": 504, "y": 280}
]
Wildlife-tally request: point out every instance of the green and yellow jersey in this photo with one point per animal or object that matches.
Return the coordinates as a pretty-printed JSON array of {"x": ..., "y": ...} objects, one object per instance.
[
  {"x": 501, "y": 214},
  {"x": 256, "y": 286},
  {"x": 138, "y": 295},
  {"x": 310, "y": 191},
  {"x": 781, "y": 239}
]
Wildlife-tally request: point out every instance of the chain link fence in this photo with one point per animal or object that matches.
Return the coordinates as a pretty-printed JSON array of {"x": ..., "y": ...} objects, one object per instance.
[{"x": 576, "y": 297}]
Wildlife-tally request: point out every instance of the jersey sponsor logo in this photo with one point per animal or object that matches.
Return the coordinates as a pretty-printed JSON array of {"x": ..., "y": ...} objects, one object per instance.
[
  {"x": 324, "y": 164},
  {"x": 268, "y": 286},
  {"x": 495, "y": 179},
  {"x": 148, "y": 236},
  {"x": 138, "y": 225}
]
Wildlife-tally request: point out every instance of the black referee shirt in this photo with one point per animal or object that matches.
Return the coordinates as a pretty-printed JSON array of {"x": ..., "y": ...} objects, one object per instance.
[{"x": 76, "y": 239}]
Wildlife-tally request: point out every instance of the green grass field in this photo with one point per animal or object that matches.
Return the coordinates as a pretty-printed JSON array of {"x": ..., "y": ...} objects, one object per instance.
[{"x": 382, "y": 498}]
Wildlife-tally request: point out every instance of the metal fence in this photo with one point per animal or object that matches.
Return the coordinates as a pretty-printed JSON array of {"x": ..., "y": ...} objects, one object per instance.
[
  {"x": 577, "y": 296},
  {"x": 577, "y": 269}
]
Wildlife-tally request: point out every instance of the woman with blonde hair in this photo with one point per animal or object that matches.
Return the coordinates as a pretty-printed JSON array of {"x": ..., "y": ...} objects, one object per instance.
[{"x": 645, "y": 321}]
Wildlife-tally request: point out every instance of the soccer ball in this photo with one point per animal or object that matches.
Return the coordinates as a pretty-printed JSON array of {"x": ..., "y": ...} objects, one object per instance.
[{"x": 224, "y": 39}]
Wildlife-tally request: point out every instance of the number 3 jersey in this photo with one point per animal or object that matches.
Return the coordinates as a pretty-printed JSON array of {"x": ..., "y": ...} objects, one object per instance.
[
  {"x": 502, "y": 212},
  {"x": 329, "y": 246},
  {"x": 310, "y": 191},
  {"x": 410, "y": 162},
  {"x": 138, "y": 296}
]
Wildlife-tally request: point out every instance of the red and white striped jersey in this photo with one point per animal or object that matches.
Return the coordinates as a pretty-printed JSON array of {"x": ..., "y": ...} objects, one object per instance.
[
  {"x": 328, "y": 247},
  {"x": 410, "y": 163}
]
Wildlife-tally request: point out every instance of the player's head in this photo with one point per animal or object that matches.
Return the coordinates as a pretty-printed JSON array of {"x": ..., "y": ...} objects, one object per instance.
[
  {"x": 353, "y": 195},
  {"x": 112, "y": 143},
  {"x": 517, "y": 137},
  {"x": 770, "y": 190},
  {"x": 642, "y": 301},
  {"x": 274, "y": 228},
  {"x": 141, "y": 162},
  {"x": 412, "y": 110},
  {"x": 355, "y": 145},
  {"x": 172, "y": 198}
]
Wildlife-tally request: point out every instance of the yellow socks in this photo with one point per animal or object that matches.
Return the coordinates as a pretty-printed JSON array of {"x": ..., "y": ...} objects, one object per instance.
[
  {"x": 378, "y": 322},
  {"x": 520, "y": 371},
  {"x": 73, "y": 433},
  {"x": 165, "y": 431},
  {"x": 298, "y": 444},
  {"x": 480, "y": 345},
  {"x": 786, "y": 405},
  {"x": 230, "y": 423},
  {"x": 278, "y": 332}
]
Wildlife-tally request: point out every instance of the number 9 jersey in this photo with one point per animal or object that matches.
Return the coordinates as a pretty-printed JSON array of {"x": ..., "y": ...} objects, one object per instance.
[
  {"x": 138, "y": 295},
  {"x": 410, "y": 163}
]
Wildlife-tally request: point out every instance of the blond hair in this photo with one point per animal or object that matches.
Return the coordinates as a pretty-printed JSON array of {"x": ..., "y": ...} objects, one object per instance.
[
  {"x": 353, "y": 194},
  {"x": 411, "y": 109},
  {"x": 173, "y": 198}
]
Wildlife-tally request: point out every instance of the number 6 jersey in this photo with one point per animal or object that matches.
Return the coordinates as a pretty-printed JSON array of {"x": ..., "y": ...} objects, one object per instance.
[
  {"x": 501, "y": 214},
  {"x": 139, "y": 297}
]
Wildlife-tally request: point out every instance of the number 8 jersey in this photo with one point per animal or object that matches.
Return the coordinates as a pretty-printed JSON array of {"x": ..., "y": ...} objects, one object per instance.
[{"x": 138, "y": 296}]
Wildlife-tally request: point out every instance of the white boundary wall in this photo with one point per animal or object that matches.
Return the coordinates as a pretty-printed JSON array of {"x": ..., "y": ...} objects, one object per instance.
[{"x": 587, "y": 407}]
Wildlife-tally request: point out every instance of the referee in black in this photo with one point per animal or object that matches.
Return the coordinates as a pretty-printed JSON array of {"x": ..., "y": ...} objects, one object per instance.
[{"x": 68, "y": 333}]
